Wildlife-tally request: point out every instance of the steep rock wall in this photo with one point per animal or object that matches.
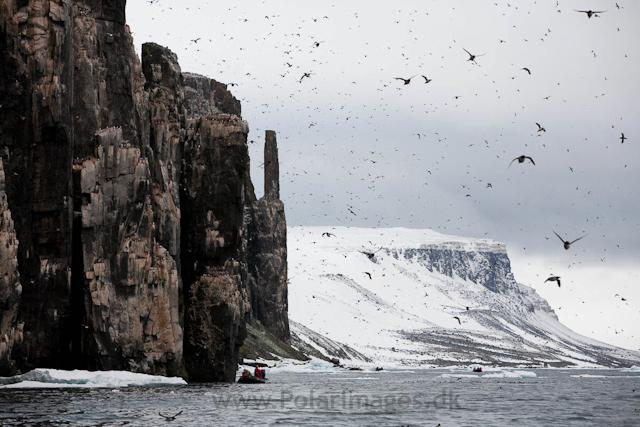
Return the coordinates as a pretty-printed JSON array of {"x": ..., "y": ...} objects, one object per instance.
[
  {"x": 214, "y": 246},
  {"x": 36, "y": 92},
  {"x": 268, "y": 250},
  {"x": 10, "y": 287},
  {"x": 127, "y": 183}
]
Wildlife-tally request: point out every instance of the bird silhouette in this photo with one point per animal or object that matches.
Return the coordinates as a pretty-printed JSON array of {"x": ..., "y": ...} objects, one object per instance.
[
  {"x": 426, "y": 80},
  {"x": 305, "y": 75},
  {"x": 456, "y": 317},
  {"x": 368, "y": 274},
  {"x": 553, "y": 279},
  {"x": 622, "y": 138},
  {"x": 591, "y": 13},
  {"x": 521, "y": 159},
  {"x": 527, "y": 70},
  {"x": 326, "y": 233},
  {"x": 471, "y": 56},
  {"x": 170, "y": 417},
  {"x": 540, "y": 128},
  {"x": 370, "y": 255},
  {"x": 406, "y": 81},
  {"x": 567, "y": 244}
]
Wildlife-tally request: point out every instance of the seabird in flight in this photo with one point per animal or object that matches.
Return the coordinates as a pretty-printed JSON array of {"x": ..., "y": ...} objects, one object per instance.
[
  {"x": 521, "y": 159},
  {"x": 567, "y": 244},
  {"x": 553, "y": 279}
]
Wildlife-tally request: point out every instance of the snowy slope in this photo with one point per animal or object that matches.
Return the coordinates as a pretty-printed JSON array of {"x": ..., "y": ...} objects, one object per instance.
[{"x": 399, "y": 305}]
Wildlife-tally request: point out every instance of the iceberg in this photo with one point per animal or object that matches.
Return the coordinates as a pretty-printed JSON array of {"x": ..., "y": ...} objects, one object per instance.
[
  {"x": 55, "y": 378},
  {"x": 511, "y": 374}
]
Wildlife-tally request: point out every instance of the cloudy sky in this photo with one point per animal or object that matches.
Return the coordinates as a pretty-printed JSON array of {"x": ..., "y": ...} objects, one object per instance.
[{"x": 358, "y": 147}]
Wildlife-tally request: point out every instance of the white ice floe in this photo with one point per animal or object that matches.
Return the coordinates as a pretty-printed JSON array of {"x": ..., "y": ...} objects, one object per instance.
[
  {"x": 494, "y": 374},
  {"x": 511, "y": 374},
  {"x": 55, "y": 378}
]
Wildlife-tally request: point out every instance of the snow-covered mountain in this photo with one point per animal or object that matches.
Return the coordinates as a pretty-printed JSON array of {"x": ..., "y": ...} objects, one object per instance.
[{"x": 418, "y": 297}]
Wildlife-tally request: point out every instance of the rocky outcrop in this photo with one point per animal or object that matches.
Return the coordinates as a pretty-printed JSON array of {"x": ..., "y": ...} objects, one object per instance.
[
  {"x": 10, "y": 287},
  {"x": 130, "y": 281},
  {"x": 127, "y": 183},
  {"x": 268, "y": 250},
  {"x": 215, "y": 269}
]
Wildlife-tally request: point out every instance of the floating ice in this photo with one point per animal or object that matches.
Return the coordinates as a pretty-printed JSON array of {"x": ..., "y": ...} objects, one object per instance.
[
  {"x": 511, "y": 374},
  {"x": 459, "y": 376},
  {"x": 54, "y": 378}
]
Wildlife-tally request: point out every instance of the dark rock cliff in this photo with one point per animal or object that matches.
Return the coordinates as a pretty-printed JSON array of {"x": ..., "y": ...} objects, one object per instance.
[
  {"x": 268, "y": 250},
  {"x": 10, "y": 287},
  {"x": 125, "y": 184}
]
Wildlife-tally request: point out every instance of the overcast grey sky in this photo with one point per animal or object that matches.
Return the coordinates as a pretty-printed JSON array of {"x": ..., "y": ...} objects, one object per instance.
[{"x": 420, "y": 155}]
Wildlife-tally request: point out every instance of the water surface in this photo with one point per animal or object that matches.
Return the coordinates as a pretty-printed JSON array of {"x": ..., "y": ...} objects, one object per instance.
[{"x": 347, "y": 398}]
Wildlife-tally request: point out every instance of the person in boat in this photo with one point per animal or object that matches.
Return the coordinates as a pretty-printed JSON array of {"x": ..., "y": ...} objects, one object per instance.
[
  {"x": 246, "y": 373},
  {"x": 260, "y": 373}
]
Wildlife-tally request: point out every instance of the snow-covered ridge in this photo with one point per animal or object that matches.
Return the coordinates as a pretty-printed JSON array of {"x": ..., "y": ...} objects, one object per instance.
[
  {"x": 370, "y": 239},
  {"x": 416, "y": 297}
]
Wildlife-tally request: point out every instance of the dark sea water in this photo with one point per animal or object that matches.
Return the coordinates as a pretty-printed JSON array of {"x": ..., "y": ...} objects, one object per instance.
[{"x": 387, "y": 398}]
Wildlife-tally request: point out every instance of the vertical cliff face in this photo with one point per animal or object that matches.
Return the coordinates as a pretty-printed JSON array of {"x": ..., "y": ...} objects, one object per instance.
[
  {"x": 36, "y": 92},
  {"x": 10, "y": 287},
  {"x": 99, "y": 288},
  {"x": 214, "y": 246},
  {"x": 268, "y": 250},
  {"x": 126, "y": 183}
]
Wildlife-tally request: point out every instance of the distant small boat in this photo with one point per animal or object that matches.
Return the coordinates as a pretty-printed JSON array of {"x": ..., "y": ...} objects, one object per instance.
[
  {"x": 477, "y": 369},
  {"x": 355, "y": 368},
  {"x": 379, "y": 368}
]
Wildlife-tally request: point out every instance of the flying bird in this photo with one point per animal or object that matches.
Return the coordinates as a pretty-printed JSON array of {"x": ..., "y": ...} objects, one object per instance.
[
  {"x": 622, "y": 138},
  {"x": 368, "y": 274},
  {"x": 540, "y": 128},
  {"x": 326, "y": 233},
  {"x": 471, "y": 57},
  {"x": 456, "y": 317},
  {"x": 406, "y": 81},
  {"x": 305, "y": 75},
  {"x": 370, "y": 255},
  {"x": 527, "y": 70},
  {"x": 521, "y": 159},
  {"x": 170, "y": 417},
  {"x": 591, "y": 13},
  {"x": 553, "y": 279},
  {"x": 426, "y": 80},
  {"x": 567, "y": 244}
]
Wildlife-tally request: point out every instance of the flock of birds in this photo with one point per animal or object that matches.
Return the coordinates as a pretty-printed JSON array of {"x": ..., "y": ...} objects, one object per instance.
[{"x": 305, "y": 63}]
